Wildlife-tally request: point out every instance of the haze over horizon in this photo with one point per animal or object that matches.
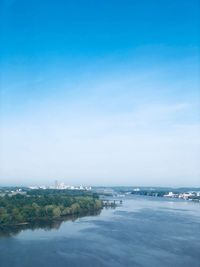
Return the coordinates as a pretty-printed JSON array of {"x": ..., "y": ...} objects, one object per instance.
[{"x": 100, "y": 93}]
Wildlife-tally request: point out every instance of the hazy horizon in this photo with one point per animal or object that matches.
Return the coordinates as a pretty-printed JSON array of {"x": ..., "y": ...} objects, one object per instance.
[
  {"x": 49, "y": 184},
  {"x": 100, "y": 92}
]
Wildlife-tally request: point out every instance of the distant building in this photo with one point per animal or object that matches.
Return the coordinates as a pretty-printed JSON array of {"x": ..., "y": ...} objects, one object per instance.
[
  {"x": 136, "y": 189},
  {"x": 171, "y": 195},
  {"x": 186, "y": 195},
  {"x": 56, "y": 184}
]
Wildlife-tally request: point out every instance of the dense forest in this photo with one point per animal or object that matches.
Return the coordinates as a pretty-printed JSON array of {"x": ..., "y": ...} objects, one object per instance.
[{"x": 45, "y": 205}]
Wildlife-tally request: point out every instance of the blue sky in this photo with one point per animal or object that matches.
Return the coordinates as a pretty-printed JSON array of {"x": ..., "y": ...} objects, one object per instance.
[{"x": 100, "y": 92}]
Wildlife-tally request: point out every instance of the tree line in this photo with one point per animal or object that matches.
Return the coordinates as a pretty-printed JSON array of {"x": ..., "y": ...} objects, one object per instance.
[{"x": 44, "y": 205}]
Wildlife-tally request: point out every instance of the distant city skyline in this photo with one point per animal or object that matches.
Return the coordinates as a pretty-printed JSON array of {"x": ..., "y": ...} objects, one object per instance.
[{"x": 100, "y": 92}]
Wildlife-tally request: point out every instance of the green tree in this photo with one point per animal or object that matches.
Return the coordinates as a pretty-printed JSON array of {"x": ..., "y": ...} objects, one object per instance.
[{"x": 56, "y": 212}]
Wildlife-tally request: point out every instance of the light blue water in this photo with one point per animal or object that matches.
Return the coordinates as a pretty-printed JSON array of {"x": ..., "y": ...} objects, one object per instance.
[{"x": 141, "y": 232}]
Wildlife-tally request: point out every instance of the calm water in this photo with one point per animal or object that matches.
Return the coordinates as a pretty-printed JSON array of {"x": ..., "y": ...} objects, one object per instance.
[{"x": 141, "y": 232}]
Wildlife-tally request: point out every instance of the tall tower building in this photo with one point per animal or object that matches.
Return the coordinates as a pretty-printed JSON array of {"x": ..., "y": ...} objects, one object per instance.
[{"x": 56, "y": 184}]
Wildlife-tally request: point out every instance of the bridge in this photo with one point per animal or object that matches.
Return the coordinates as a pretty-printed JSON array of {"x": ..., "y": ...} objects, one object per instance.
[{"x": 111, "y": 202}]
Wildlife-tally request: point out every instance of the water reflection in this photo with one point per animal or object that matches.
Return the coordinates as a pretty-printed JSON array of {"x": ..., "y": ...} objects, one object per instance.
[{"x": 47, "y": 225}]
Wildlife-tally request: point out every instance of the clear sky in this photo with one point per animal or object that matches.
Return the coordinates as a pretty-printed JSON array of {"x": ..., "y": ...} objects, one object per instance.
[{"x": 100, "y": 92}]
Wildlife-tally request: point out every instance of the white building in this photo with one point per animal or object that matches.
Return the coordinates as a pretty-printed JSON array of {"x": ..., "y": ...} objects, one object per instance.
[{"x": 171, "y": 195}]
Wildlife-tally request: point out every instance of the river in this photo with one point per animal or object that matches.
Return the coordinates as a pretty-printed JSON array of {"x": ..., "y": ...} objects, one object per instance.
[{"x": 143, "y": 232}]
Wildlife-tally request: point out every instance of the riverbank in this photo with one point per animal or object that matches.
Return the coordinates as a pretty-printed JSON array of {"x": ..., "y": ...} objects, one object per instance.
[{"x": 24, "y": 209}]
